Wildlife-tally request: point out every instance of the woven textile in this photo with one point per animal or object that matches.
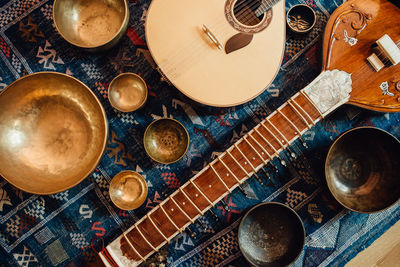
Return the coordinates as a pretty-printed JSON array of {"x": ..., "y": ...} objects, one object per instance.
[{"x": 57, "y": 230}]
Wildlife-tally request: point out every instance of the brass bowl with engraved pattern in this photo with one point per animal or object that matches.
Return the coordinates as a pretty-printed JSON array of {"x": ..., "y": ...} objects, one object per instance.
[
  {"x": 53, "y": 132},
  {"x": 362, "y": 169},
  {"x": 91, "y": 24},
  {"x": 166, "y": 140}
]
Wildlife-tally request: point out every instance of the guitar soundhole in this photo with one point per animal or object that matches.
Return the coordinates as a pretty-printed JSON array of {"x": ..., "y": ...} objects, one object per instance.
[
  {"x": 244, "y": 12},
  {"x": 247, "y": 16}
]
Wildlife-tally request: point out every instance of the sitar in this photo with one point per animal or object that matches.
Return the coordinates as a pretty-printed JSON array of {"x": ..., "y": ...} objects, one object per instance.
[{"x": 360, "y": 58}]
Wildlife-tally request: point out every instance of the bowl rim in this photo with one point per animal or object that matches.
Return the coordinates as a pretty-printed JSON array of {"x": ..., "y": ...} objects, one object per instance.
[
  {"x": 130, "y": 172},
  {"x": 106, "y": 131},
  {"x": 268, "y": 203},
  {"x": 176, "y": 121},
  {"x": 330, "y": 151},
  {"x": 110, "y": 86},
  {"x": 121, "y": 28},
  {"x": 306, "y": 30}
]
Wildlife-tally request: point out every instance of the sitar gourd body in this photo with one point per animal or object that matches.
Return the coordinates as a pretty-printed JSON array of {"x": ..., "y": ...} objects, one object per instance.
[{"x": 347, "y": 77}]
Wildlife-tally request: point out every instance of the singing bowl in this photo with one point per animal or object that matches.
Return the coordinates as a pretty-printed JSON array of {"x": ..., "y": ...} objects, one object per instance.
[
  {"x": 362, "y": 169},
  {"x": 128, "y": 190},
  {"x": 91, "y": 24},
  {"x": 166, "y": 140},
  {"x": 271, "y": 234},
  {"x": 53, "y": 132},
  {"x": 127, "y": 92}
]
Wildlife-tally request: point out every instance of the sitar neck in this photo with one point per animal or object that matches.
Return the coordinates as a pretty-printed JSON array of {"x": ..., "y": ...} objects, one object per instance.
[{"x": 241, "y": 161}]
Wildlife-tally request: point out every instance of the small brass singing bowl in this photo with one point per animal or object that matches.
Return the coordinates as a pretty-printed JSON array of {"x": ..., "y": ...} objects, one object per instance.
[
  {"x": 166, "y": 140},
  {"x": 271, "y": 234},
  {"x": 127, "y": 92},
  {"x": 91, "y": 24},
  {"x": 53, "y": 132},
  {"x": 128, "y": 190},
  {"x": 301, "y": 18},
  {"x": 362, "y": 169}
]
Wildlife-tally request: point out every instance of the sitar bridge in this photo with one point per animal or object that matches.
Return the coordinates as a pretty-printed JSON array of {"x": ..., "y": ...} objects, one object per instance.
[{"x": 385, "y": 53}]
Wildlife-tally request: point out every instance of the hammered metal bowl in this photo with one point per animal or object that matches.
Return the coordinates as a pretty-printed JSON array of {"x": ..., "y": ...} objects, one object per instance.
[
  {"x": 166, "y": 140},
  {"x": 53, "y": 132},
  {"x": 362, "y": 169},
  {"x": 127, "y": 92},
  {"x": 271, "y": 234},
  {"x": 91, "y": 24},
  {"x": 128, "y": 190}
]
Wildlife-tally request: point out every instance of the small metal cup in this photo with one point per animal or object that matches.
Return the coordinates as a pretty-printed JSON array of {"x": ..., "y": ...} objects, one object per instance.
[
  {"x": 301, "y": 18},
  {"x": 166, "y": 140},
  {"x": 91, "y": 24},
  {"x": 127, "y": 92},
  {"x": 128, "y": 190}
]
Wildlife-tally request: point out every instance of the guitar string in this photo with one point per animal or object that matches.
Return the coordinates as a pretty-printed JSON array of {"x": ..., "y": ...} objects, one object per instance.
[{"x": 215, "y": 27}]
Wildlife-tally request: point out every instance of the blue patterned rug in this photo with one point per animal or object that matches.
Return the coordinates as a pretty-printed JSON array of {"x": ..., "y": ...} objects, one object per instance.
[{"x": 57, "y": 230}]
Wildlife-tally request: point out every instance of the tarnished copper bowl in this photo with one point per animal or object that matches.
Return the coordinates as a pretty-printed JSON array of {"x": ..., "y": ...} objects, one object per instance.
[
  {"x": 362, "y": 169},
  {"x": 53, "y": 131},
  {"x": 91, "y": 24},
  {"x": 166, "y": 140},
  {"x": 271, "y": 234}
]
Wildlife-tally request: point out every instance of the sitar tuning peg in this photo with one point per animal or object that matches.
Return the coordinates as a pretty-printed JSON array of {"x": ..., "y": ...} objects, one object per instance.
[
  {"x": 190, "y": 232},
  {"x": 226, "y": 207},
  {"x": 213, "y": 215},
  {"x": 242, "y": 190}
]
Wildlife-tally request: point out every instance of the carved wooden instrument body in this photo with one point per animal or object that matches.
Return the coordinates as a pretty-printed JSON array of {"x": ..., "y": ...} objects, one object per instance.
[
  {"x": 348, "y": 77},
  {"x": 195, "y": 59}
]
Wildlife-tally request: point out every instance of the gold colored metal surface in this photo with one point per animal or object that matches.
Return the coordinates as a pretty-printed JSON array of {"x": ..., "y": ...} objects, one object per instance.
[
  {"x": 91, "y": 24},
  {"x": 128, "y": 190},
  {"x": 166, "y": 140},
  {"x": 362, "y": 169},
  {"x": 127, "y": 92},
  {"x": 301, "y": 18},
  {"x": 53, "y": 132}
]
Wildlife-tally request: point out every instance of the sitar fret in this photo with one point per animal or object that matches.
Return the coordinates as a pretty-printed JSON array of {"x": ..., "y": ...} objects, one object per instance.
[
  {"x": 244, "y": 156},
  {"x": 305, "y": 112},
  {"x": 179, "y": 207},
  {"x": 170, "y": 219},
  {"x": 266, "y": 141},
  {"x": 229, "y": 170},
  {"x": 220, "y": 178},
  {"x": 299, "y": 114},
  {"x": 191, "y": 201},
  {"x": 273, "y": 135},
  {"x": 132, "y": 247},
  {"x": 298, "y": 132},
  {"x": 155, "y": 226},
  {"x": 264, "y": 150},
  {"x": 237, "y": 162},
  {"x": 310, "y": 101},
  {"x": 201, "y": 192},
  {"x": 145, "y": 239},
  {"x": 255, "y": 150},
  {"x": 278, "y": 131}
]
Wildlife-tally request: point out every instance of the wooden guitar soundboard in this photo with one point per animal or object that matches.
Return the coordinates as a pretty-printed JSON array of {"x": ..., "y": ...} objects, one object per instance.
[{"x": 355, "y": 32}]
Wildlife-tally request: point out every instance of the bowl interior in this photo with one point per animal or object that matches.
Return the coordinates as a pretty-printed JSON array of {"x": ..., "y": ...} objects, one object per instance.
[
  {"x": 89, "y": 23},
  {"x": 271, "y": 234},
  {"x": 128, "y": 190},
  {"x": 53, "y": 132},
  {"x": 362, "y": 169},
  {"x": 127, "y": 92},
  {"x": 166, "y": 140},
  {"x": 301, "y": 18}
]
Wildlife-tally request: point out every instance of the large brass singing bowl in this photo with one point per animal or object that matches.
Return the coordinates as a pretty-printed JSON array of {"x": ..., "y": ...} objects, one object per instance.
[
  {"x": 91, "y": 24},
  {"x": 53, "y": 132},
  {"x": 362, "y": 169}
]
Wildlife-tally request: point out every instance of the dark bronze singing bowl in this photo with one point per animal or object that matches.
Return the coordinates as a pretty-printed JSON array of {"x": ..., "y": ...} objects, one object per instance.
[
  {"x": 166, "y": 140},
  {"x": 91, "y": 24},
  {"x": 53, "y": 132},
  {"x": 271, "y": 234},
  {"x": 362, "y": 169}
]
